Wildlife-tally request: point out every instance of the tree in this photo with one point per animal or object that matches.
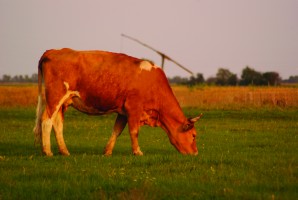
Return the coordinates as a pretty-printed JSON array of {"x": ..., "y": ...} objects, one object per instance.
[
  {"x": 178, "y": 80},
  {"x": 211, "y": 81},
  {"x": 6, "y": 78},
  {"x": 225, "y": 77},
  {"x": 251, "y": 77},
  {"x": 199, "y": 79},
  {"x": 34, "y": 78},
  {"x": 272, "y": 78},
  {"x": 21, "y": 78},
  {"x": 26, "y": 79},
  {"x": 233, "y": 80},
  {"x": 292, "y": 79}
]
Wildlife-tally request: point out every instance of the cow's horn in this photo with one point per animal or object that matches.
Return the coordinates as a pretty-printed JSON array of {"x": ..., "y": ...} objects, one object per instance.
[{"x": 195, "y": 119}]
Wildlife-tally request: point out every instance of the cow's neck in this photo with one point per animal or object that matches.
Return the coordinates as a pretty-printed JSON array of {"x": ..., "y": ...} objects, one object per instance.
[{"x": 172, "y": 117}]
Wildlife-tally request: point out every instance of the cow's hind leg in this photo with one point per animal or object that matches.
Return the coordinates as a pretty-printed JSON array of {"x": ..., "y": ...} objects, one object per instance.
[
  {"x": 120, "y": 124},
  {"x": 58, "y": 128},
  {"x": 46, "y": 126}
]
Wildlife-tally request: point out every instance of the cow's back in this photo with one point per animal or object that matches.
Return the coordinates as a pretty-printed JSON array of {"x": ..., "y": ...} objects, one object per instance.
[{"x": 104, "y": 79}]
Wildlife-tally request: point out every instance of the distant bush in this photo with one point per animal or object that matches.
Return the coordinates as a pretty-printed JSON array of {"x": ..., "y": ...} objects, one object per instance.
[{"x": 224, "y": 77}]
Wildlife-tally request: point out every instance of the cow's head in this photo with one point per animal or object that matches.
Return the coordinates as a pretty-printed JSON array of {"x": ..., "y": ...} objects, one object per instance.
[{"x": 184, "y": 139}]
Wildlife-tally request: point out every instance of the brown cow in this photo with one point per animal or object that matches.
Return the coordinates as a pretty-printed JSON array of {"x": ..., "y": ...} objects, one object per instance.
[{"x": 97, "y": 83}]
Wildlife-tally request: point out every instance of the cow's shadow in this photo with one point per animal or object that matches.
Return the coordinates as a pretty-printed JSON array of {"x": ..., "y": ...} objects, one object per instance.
[
  {"x": 27, "y": 150},
  {"x": 18, "y": 149}
]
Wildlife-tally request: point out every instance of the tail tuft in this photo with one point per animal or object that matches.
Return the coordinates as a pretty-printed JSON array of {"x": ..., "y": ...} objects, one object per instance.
[{"x": 37, "y": 129}]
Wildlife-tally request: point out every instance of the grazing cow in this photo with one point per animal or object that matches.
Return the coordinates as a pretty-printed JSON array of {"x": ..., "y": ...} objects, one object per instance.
[{"x": 97, "y": 83}]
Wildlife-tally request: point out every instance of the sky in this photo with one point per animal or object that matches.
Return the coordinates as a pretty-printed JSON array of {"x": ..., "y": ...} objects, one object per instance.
[{"x": 202, "y": 35}]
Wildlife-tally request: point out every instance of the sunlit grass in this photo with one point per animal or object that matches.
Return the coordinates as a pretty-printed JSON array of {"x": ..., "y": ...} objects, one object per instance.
[
  {"x": 237, "y": 97},
  {"x": 202, "y": 97}
]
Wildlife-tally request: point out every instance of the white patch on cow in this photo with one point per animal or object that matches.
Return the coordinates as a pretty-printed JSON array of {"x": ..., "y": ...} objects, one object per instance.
[
  {"x": 68, "y": 94},
  {"x": 66, "y": 85},
  {"x": 146, "y": 65}
]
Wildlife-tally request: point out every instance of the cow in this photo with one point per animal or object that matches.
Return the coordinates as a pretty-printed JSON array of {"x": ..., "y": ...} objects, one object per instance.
[{"x": 99, "y": 82}]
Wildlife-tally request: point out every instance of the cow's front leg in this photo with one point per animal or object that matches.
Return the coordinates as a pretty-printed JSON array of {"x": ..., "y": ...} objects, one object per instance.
[
  {"x": 120, "y": 124},
  {"x": 134, "y": 133},
  {"x": 134, "y": 110},
  {"x": 135, "y": 144}
]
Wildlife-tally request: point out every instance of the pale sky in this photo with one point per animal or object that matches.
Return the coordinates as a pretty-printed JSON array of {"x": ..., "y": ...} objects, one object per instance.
[{"x": 202, "y": 35}]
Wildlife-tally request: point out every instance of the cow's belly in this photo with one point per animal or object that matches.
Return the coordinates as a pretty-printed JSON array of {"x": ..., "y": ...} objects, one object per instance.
[{"x": 82, "y": 106}]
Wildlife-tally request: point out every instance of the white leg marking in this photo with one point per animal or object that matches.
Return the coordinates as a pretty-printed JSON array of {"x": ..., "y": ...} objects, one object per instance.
[
  {"x": 46, "y": 135},
  {"x": 56, "y": 120},
  {"x": 58, "y": 128}
]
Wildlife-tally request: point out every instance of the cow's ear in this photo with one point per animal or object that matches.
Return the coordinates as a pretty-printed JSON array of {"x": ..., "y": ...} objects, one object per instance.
[
  {"x": 187, "y": 126},
  {"x": 190, "y": 123}
]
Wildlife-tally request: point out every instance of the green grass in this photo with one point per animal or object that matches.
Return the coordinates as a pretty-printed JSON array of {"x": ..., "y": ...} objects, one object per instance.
[{"x": 248, "y": 154}]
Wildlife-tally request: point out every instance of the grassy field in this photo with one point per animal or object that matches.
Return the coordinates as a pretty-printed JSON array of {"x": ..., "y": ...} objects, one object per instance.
[
  {"x": 247, "y": 150},
  {"x": 243, "y": 154}
]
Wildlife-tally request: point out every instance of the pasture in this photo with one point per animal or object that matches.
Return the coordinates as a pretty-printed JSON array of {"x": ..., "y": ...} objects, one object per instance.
[{"x": 245, "y": 152}]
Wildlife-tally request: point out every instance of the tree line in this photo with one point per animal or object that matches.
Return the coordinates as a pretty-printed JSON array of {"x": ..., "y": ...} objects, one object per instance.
[
  {"x": 19, "y": 78},
  {"x": 223, "y": 77}
]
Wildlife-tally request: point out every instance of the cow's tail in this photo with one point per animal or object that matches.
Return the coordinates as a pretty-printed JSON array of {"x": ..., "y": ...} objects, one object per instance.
[{"x": 38, "y": 129}]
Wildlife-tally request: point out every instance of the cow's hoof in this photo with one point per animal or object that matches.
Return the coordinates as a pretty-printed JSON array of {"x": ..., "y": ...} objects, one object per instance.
[
  {"x": 64, "y": 153},
  {"x": 138, "y": 153},
  {"x": 107, "y": 152},
  {"x": 48, "y": 154}
]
